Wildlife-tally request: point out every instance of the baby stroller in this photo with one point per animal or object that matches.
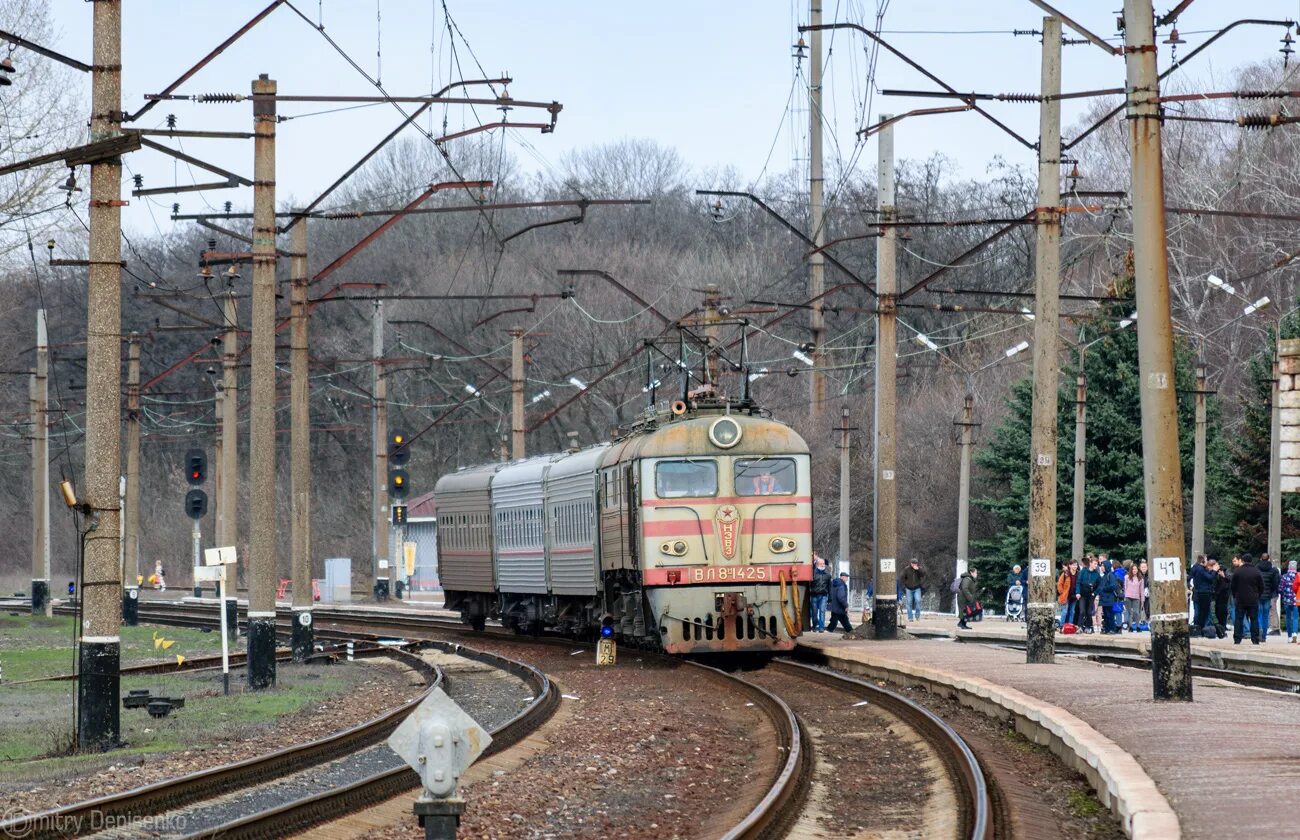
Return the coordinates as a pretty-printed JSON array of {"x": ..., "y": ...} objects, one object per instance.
[{"x": 1014, "y": 609}]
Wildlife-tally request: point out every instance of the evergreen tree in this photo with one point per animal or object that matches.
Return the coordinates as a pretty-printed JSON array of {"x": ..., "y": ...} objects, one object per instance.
[
  {"x": 1114, "y": 509},
  {"x": 1240, "y": 520}
]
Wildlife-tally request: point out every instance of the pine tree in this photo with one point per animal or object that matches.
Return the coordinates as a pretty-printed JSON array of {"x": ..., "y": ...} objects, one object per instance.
[
  {"x": 1114, "y": 510},
  {"x": 1240, "y": 519}
]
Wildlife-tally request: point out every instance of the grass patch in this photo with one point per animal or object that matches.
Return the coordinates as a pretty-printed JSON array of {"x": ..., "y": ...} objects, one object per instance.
[
  {"x": 36, "y": 719},
  {"x": 1019, "y": 742},
  {"x": 1083, "y": 804},
  {"x": 32, "y": 647}
]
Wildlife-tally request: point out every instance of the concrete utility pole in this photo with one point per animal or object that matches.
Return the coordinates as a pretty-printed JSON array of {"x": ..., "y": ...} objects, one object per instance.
[
  {"x": 98, "y": 722},
  {"x": 1041, "y": 617},
  {"x": 263, "y": 498},
  {"x": 1080, "y": 459},
  {"x": 884, "y": 614},
  {"x": 817, "y": 263},
  {"x": 846, "y": 493},
  {"x": 131, "y": 527},
  {"x": 1171, "y": 675},
  {"x": 379, "y": 430},
  {"x": 41, "y": 603},
  {"x": 1275, "y": 482},
  {"x": 517, "y": 393},
  {"x": 300, "y": 448},
  {"x": 228, "y": 524},
  {"x": 218, "y": 464},
  {"x": 1198, "y": 476},
  {"x": 967, "y": 444}
]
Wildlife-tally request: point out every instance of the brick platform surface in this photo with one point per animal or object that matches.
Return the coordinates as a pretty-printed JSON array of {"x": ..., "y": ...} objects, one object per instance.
[
  {"x": 1224, "y": 763},
  {"x": 1276, "y": 651}
]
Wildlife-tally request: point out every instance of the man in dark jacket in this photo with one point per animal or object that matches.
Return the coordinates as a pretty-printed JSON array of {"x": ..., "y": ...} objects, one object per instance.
[
  {"x": 1222, "y": 592},
  {"x": 1202, "y": 580},
  {"x": 1086, "y": 584},
  {"x": 968, "y": 604},
  {"x": 820, "y": 591},
  {"x": 1270, "y": 575},
  {"x": 1109, "y": 593},
  {"x": 840, "y": 603},
  {"x": 912, "y": 579},
  {"x": 1247, "y": 584}
]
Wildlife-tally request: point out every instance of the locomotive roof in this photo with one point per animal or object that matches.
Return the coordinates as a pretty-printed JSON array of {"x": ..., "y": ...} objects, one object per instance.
[{"x": 690, "y": 436}]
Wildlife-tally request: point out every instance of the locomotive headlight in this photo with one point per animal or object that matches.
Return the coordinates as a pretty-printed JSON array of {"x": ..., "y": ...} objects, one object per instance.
[
  {"x": 781, "y": 545},
  {"x": 679, "y": 547},
  {"x": 676, "y": 549},
  {"x": 724, "y": 433}
]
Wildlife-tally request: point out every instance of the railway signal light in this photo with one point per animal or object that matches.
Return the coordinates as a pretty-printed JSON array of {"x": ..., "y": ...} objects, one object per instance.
[
  {"x": 397, "y": 483},
  {"x": 399, "y": 514},
  {"x": 196, "y": 504},
  {"x": 196, "y": 467},
  {"x": 398, "y": 449}
]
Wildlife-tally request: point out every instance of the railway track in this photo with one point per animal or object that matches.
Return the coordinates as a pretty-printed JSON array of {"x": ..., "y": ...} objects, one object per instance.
[{"x": 773, "y": 816}]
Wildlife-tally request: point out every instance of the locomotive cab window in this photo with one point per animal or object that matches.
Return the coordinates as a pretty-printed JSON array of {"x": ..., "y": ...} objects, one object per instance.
[
  {"x": 765, "y": 476},
  {"x": 682, "y": 479}
]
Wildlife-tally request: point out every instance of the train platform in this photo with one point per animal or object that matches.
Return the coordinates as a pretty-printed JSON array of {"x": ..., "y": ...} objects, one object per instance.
[
  {"x": 1276, "y": 656},
  {"x": 1167, "y": 770}
]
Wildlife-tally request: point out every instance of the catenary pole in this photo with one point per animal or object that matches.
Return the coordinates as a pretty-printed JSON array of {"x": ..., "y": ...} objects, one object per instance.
[
  {"x": 41, "y": 603},
  {"x": 1080, "y": 459},
  {"x": 229, "y": 507},
  {"x": 1171, "y": 676},
  {"x": 300, "y": 448},
  {"x": 1275, "y": 483},
  {"x": 816, "y": 263},
  {"x": 262, "y": 495},
  {"x": 1198, "y": 475},
  {"x": 884, "y": 614},
  {"x": 379, "y": 431},
  {"x": 846, "y": 491},
  {"x": 516, "y": 394},
  {"x": 967, "y": 444},
  {"x": 99, "y": 681},
  {"x": 1040, "y": 644},
  {"x": 131, "y": 526}
]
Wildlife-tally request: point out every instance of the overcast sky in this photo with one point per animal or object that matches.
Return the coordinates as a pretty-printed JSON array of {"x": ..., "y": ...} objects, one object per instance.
[{"x": 715, "y": 80}]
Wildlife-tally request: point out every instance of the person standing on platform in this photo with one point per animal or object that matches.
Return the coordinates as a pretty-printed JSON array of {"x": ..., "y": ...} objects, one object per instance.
[
  {"x": 1202, "y": 580},
  {"x": 968, "y": 603},
  {"x": 840, "y": 603},
  {"x": 1065, "y": 595},
  {"x": 1108, "y": 595},
  {"x": 1222, "y": 594},
  {"x": 1271, "y": 577},
  {"x": 1247, "y": 586},
  {"x": 1086, "y": 589},
  {"x": 1134, "y": 584},
  {"x": 1290, "y": 613},
  {"x": 1146, "y": 591},
  {"x": 913, "y": 579},
  {"x": 820, "y": 591}
]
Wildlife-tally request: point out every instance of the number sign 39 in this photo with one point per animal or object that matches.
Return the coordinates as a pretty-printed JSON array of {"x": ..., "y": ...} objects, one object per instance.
[
  {"x": 1040, "y": 567},
  {"x": 1167, "y": 568}
]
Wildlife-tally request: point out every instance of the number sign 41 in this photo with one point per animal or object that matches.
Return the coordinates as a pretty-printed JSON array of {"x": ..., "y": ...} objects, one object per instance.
[{"x": 1167, "y": 568}]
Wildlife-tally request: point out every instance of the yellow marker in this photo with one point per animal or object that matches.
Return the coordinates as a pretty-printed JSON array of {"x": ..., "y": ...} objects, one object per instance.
[
  {"x": 179, "y": 660},
  {"x": 157, "y": 642},
  {"x": 167, "y": 644}
]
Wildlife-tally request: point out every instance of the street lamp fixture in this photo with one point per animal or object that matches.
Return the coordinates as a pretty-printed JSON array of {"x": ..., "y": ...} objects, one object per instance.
[
  {"x": 1262, "y": 303},
  {"x": 577, "y": 383},
  {"x": 803, "y": 357},
  {"x": 539, "y": 397},
  {"x": 1019, "y": 348},
  {"x": 924, "y": 340}
]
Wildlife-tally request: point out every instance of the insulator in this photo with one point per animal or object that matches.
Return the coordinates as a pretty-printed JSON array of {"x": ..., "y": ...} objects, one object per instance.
[
  {"x": 1257, "y": 120},
  {"x": 1019, "y": 97},
  {"x": 176, "y": 208},
  {"x": 171, "y": 122},
  {"x": 212, "y": 244},
  {"x": 227, "y": 207},
  {"x": 138, "y": 180},
  {"x": 219, "y": 97}
]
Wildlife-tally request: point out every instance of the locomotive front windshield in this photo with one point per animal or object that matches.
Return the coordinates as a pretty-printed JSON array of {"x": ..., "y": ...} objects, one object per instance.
[
  {"x": 686, "y": 478},
  {"x": 765, "y": 476}
]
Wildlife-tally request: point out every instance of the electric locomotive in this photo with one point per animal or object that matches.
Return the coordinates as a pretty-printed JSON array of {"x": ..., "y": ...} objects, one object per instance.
[{"x": 690, "y": 533}]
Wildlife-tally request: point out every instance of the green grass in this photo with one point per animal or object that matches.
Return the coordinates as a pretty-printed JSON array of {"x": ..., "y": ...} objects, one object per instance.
[
  {"x": 34, "y": 646},
  {"x": 1083, "y": 804},
  {"x": 36, "y": 719}
]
